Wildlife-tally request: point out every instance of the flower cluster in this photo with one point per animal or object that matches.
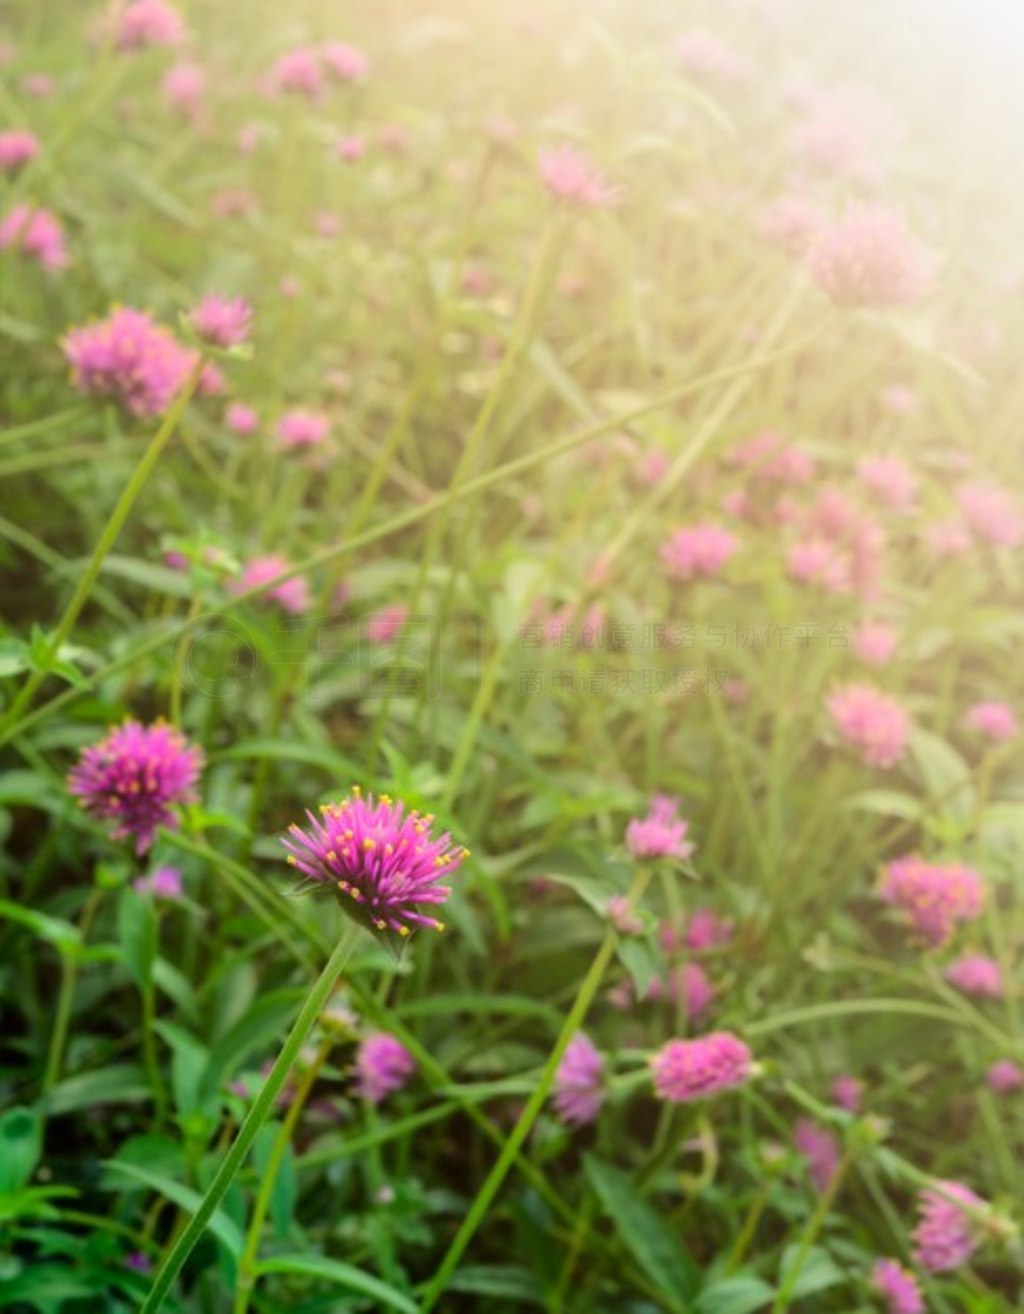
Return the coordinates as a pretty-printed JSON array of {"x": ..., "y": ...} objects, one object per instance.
[
  {"x": 299, "y": 428},
  {"x": 383, "y": 861},
  {"x": 976, "y": 974},
  {"x": 661, "y": 834},
  {"x": 898, "y": 1287},
  {"x": 291, "y": 595},
  {"x": 35, "y": 233},
  {"x": 383, "y": 1066},
  {"x": 698, "y": 550},
  {"x": 685, "y": 1070},
  {"x": 578, "y": 1090},
  {"x": 135, "y": 777},
  {"x": 222, "y": 321},
  {"x": 944, "y": 1237},
  {"x": 130, "y": 358},
  {"x": 868, "y": 257},
  {"x": 571, "y": 177},
  {"x": 871, "y": 722},
  {"x": 137, "y": 24},
  {"x": 934, "y": 896}
]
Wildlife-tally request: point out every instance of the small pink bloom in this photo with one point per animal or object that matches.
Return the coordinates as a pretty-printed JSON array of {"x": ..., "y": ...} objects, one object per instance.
[
  {"x": 1004, "y": 1077},
  {"x": 161, "y": 883},
  {"x": 301, "y": 428},
  {"x": 661, "y": 834},
  {"x": 383, "y": 1066},
  {"x": 976, "y": 974},
  {"x": 996, "y": 721},
  {"x": 131, "y": 359},
  {"x": 818, "y": 561},
  {"x": 249, "y": 137},
  {"x": 948, "y": 538},
  {"x": 291, "y": 595},
  {"x": 847, "y": 1092},
  {"x": 222, "y": 321},
  {"x": 34, "y": 233},
  {"x": 707, "y": 56},
  {"x": 137, "y": 24},
  {"x": 39, "y": 85},
  {"x": 872, "y": 722},
  {"x": 571, "y": 177},
  {"x": 874, "y": 643},
  {"x": 17, "y": 148},
  {"x": 299, "y": 72},
  {"x": 698, "y": 550},
  {"x": 344, "y": 62},
  {"x": 992, "y": 515},
  {"x": 944, "y": 1238},
  {"x": 820, "y": 1149},
  {"x": 900, "y": 399},
  {"x": 889, "y": 479},
  {"x": 184, "y": 88},
  {"x": 935, "y": 897},
  {"x": 694, "y": 986},
  {"x": 578, "y": 1087},
  {"x": 622, "y": 917},
  {"x": 386, "y": 625},
  {"x": 870, "y": 258},
  {"x": 898, "y": 1287},
  {"x": 242, "y": 420},
  {"x": 350, "y": 148},
  {"x": 706, "y": 930},
  {"x": 792, "y": 223},
  {"x": 685, "y": 1070}
]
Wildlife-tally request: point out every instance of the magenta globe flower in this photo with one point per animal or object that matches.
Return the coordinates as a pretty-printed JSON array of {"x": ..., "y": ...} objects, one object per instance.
[
  {"x": 130, "y": 358},
  {"x": 135, "y": 777},
  {"x": 578, "y": 1089},
  {"x": 685, "y": 1070},
  {"x": 383, "y": 1066},
  {"x": 945, "y": 1237},
  {"x": 222, "y": 321},
  {"x": 383, "y": 862},
  {"x": 897, "y": 1287}
]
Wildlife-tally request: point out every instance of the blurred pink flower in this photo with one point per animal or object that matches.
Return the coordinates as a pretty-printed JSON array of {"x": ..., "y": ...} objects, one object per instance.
[
  {"x": 130, "y": 358},
  {"x": 889, "y": 479},
  {"x": 34, "y": 233},
  {"x": 570, "y": 176},
  {"x": 948, "y": 538},
  {"x": 874, "y": 642},
  {"x": 792, "y": 223},
  {"x": 691, "y": 983},
  {"x": 242, "y": 420},
  {"x": 819, "y": 1147},
  {"x": 350, "y": 148},
  {"x": 622, "y": 917},
  {"x": 39, "y": 85},
  {"x": 898, "y": 1287},
  {"x": 818, "y": 561},
  {"x": 996, "y": 721},
  {"x": 578, "y": 1086},
  {"x": 685, "y": 1070},
  {"x": 344, "y": 62},
  {"x": 299, "y": 72},
  {"x": 17, "y": 147},
  {"x": 872, "y": 722},
  {"x": 869, "y": 257},
  {"x": 1004, "y": 1077},
  {"x": 383, "y": 1066},
  {"x": 301, "y": 428},
  {"x": 976, "y": 974},
  {"x": 661, "y": 834},
  {"x": 162, "y": 883},
  {"x": 222, "y": 321},
  {"x": 707, "y": 56},
  {"x": 386, "y": 625},
  {"x": 291, "y": 595},
  {"x": 696, "y": 550},
  {"x": 137, "y": 24},
  {"x": 184, "y": 89},
  {"x": 992, "y": 515},
  {"x": 935, "y": 896},
  {"x": 846, "y": 1092},
  {"x": 944, "y": 1238}
]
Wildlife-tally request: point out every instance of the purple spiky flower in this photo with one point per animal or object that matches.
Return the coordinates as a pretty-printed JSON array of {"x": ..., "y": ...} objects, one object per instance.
[
  {"x": 135, "y": 776},
  {"x": 384, "y": 862}
]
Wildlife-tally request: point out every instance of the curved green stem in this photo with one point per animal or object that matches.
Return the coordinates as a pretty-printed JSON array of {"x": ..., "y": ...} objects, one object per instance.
[{"x": 257, "y": 1115}]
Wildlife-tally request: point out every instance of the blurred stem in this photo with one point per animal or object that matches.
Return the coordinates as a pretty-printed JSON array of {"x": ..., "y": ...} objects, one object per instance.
[
  {"x": 810, "y": 1235},
  {"x": 66, "y": 996},
  {"x": 257, "y": 1115},
  {"x": 150, "y": 1055},
  {"x": 574, "y": 1019},
  {"x": 246, "y": 1269},
  {"x": 749, "y": 1229},
  {"x": 111, "y": 530}
]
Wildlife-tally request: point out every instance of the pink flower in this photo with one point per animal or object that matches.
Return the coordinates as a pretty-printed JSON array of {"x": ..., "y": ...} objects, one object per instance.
[
  {"x": 301, "y": 428},
  {"x": 161, "y": 883},
  {"x": 685, "y": 1070},
  {"x": 944, "y": 1237},
  {"x": 300, "y": 72},
  {"x": 900, "y": 399},
  {"x": 140, "y": 23},
  {"x": 706, "y": 930},
  {"x": 706, "y": 55},
  {"x": 820, "y": 1149},
  {"x": 130, "y": 358},
  {"x": 891, "y": 480},
  {"x": 874, "y": 643},
  {"x": 222, "y": 321},
  {"x": 948, "y": 538},
  {"x": 936, "y": 897},
  {"x": 1004, "y": 1077},
  {"x": 383, "y": 1066},
  {"x": 847, "y": 1092},
  {"x": 698, "y": 550},
  {"x": 992, "y": 515},
  {"x": 817, "y": 561},
  {"x": 869, "y": 258},
  {"x": 660, "y": 834},
  {"x": 350, "y": 148},
  {"x": 898, "y": 1287},
  {"x": 291, "y": 595},
  {"x": 578, "y": 1093},
  {"x": 346, "y": 63},
  {"x": 35, "y": 233},
  {"x": 135, "y": 777},
  {"x": 621, "y": 915},
  {"x": 242, "y": 420},
  {"x": 570, "y": 176},
  {"x": 384, "y": 862},
  {"x": 870, "y": 721},
  {"x": 976, "y": 974},
  {"x": 17, "y": 148},
  {"x": 792, "y": 223},
  {"x": 386, "y": 625},
  {"x": 39, "y": 85},
  {"x": 996, "y": 721},
  {"x": 184, "y": 87},
  {"x": 694, "y": 985}
]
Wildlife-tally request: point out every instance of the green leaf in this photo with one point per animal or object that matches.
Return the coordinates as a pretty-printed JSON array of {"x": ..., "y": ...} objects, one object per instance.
[
  {"x": 21, "y": 1144},
  {"x": 500, "y": 1282},
  {"x": 342, "y": 1275},
  {"x": 735, "y": 1295},
  {"x": 818, "y": 1271},
  {"x": 648, "y": 1237},
  {"x": 285, "y": 1193},
  {"x": 226, "y": 1231},
  {"x": 120, "y": 1083},
  {"x": 45, "y": 1287},
  {"x": 136, "y": 924},
  {"x": 258, "y": 1029},
  {"x": 946, "y": 775},
  {"x": 56, "y": 932}
]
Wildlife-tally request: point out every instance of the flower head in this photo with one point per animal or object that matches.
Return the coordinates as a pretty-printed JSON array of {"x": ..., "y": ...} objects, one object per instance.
[
  {"x": 222, "y": 321},
  {"x": 698, "y": 550},
  {"x": 140, "y": 23},
  {"x": 35, "y": 233},
  {"x": 820, "y": 1149},
  {"x": 184, "y": 87},
  {"x": 935, "y": 896},
  {"x": 1004, "y": 1077},
  {"x": 383, "y": 1066},
  {"x": 300, "y": 72},
  {"x": 299, "y": 428},
  {"x": 17, "y": 147},
  {"x": 889, "y": 479},
  {"x": 291, "y": 595},
  {"x": 996, "y": 721},
  {"x": 385, "y": 626},
  {"x": 686, "y": 1070},
  {"x": 898, "y": 1287},
  {"x": 571, "y": 177},
  {"x": 791, "y": 222},
  {"x": 944, "y": 1237},
  {"x": 992, "y": 515},
  {"x": 135, "y": 777},
  {"x": 346, "y": 63},
  {"x": 691, "y": 983},
  {"x": 578, "y": 1093},
  {"x": 130, "y": 358},
  {"x": 874, "y": 642},
  {"x": 976, "y": 974},
  {"x": 872, "y": 722},
  {"x": 161, "y": 883},
  {"x": 869, "y": 257},
  {"x": 847, "y": 1092},
  {"x": 243, "y": 420},
  {"x": 705, "y": 55},
  {"x": 661, "y": 834},
  {"x": 383, "y": 861}
]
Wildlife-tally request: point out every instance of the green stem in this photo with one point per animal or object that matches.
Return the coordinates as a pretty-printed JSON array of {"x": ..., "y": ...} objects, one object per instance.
[
  {"x": 810, "y": 1235},
  {"x": 257, "y": 1115},
  {"x": 574, "y": 1018},
  {"x": 106, "y": 541},
  {"x": 149, "y": 1054},
  {"x": 66, "y": 996},
  {"x": 247, "y": 1268}
]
